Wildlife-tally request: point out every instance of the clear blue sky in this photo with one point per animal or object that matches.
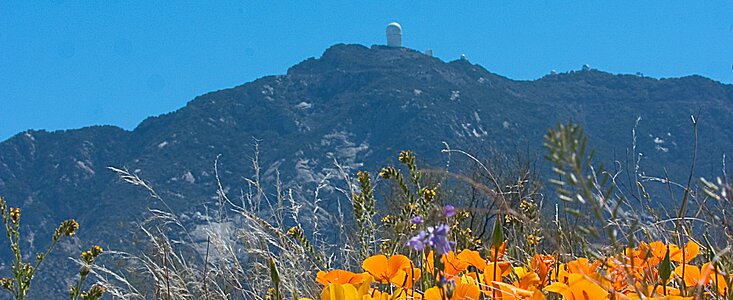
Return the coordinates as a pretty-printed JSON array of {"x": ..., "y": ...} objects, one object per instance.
[{"x": 69, "y": 64}]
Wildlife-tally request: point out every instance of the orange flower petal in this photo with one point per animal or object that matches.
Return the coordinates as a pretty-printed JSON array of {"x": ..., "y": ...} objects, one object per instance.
[
  {"x": 377, "y": 266},
  {"x": 473, "y": 258}
]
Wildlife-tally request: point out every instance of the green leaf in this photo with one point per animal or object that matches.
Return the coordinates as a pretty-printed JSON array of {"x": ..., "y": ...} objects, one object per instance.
[
  {"x": 497, "y": 238},
  {"x": 273, "y": 272}
]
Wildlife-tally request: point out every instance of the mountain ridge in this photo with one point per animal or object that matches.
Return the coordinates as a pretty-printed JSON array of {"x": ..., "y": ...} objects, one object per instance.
[{"x": 356, "y": 105}]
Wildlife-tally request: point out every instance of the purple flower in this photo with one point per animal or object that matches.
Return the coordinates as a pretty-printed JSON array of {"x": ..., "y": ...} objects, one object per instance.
[
  {"x": 416, "y": 220},
  {"x": 417, "y": 242},
  {"x": 438, "y": 239},
  {"x": 449, "y": 210}
]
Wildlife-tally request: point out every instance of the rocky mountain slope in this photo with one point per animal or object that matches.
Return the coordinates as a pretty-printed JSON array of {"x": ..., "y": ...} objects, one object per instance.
[{"x": 358, "y": 106}]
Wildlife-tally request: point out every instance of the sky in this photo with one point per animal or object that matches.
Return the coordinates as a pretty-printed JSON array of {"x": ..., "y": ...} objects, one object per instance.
[{"x": 70, "y": 64}]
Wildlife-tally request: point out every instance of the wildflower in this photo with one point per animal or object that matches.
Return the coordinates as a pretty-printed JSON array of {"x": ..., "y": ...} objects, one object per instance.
[
  {"x": 438, "y": 239},
  {"x": 96, "y": 250},
  {"x": 67, "y": 228},
  {"x": 452, "y": 264},
  {"x": 462, "y": 290},
  {"x": 542, "y": 264},
  {"x": 495, "y": 270},
  {"x": 509, "y": 219},
  {"x": 417, "y": 220},
  {"x": 94, "y": 292},
  {"x": 524, "y": 205},
  {"x": 533, "y": 240},
  {"x": 527, "y": 279},
  {"x": 417, "y": 242},
  {"x": 15, "y": 215},
  {"x": 429, "y": 194},
  {"x": 6, "y": 283},
  {"x": 388, "y": 219},
  {"x": 340, "y": 277},
  {"x": 388, "y": 172},
  {"x": 293, "y": 230},
  {"x": 449, "y": 210},
  {"x": 406, "y": 157},
  {"x": 362, "y": 176},
  {"x": 692, "y": 276},
  {"x": 690, "y": 251},
  {"x": 473, "y": 258},
  {"x": 89, "y": 255},
  {"x": 579, "y": 286},
  {"x": 336, "y": 291},
  {"x": 397, "y": 269},
  {"x": 508, "y": 291}
]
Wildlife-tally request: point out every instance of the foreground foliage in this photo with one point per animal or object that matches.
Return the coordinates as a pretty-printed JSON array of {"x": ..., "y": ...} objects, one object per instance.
[{"x": 19, "y": 285}]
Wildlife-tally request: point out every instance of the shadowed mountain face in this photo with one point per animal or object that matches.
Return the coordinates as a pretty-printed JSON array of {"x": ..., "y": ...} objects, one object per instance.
[{"x": 358, "y": 106}]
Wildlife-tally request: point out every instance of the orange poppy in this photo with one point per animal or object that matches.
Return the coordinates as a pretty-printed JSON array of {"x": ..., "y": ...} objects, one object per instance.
[
  {"x": 494, "y": 271},
  {"x": 690, "y": 251},
  {"x": 505, "y": 291},
  {"x": 384, "y": 269},
  {"x": 453, "y": 264},
  {"x": 527, "y": 279},
  {"x": 463, "y": 290},
  {"x": 692, "y": 276},
  {"x": 578, "y": 287},
  {"x": 542, "y": 264},
  {"x": 339, "y": 276},
  {"x": 473, "y": 258},
  {"x": 397, "y": 269},
  {"x": 579, "y": 266}
]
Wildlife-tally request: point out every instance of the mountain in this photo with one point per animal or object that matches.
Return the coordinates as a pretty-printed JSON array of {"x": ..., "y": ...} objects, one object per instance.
[{"x": 359, "y": 106}]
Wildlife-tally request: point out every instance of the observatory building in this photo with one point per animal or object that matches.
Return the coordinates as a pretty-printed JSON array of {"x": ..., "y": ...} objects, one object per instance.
[{"x": 394, "y": 35}]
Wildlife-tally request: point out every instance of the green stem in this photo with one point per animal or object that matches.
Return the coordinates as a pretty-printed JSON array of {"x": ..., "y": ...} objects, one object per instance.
[{"x": 79, "y": 284}]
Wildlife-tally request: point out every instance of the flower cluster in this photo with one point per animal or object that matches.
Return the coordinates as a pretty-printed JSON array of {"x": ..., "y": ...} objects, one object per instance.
[
  {"x": 95, "y": 292},
  {"x": 436, "y": 237},
  {"x": 637, "y": 273},
  {"x": 67, "y": 228},
  {"x": 89, "y": 255},
  {"x": 14, "y": 215}
]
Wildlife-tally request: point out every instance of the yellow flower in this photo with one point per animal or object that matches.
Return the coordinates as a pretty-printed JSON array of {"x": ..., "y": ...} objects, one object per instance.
[
  {"x": 337, "y": 291},
  {"x": 87, "y": 257},
  {"x": 428, "y": 193},
  {"x": 67, "y": 228},
  {"x": 15, "y": 215},
  {"x": 533, "y": 240}
]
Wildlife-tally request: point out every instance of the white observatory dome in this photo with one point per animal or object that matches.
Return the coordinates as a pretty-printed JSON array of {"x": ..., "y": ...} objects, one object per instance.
[{"x": 394, "y": 35}]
